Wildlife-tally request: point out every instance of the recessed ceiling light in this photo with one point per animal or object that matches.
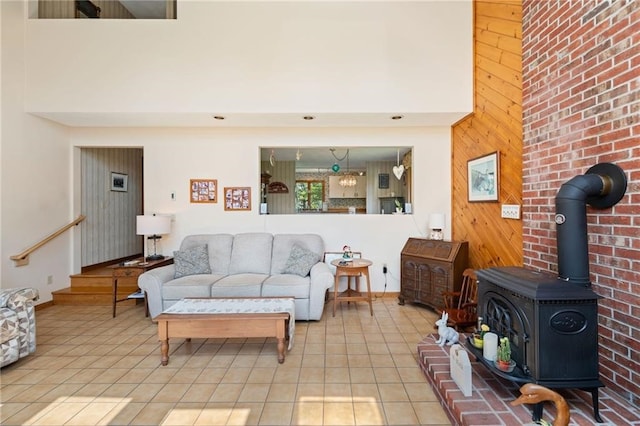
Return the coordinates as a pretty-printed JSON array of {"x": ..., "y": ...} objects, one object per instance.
[
  {"x": 397, "y": 117},
  {"x": 308, "y": 117},
  {"x": 218, "y": 117}
]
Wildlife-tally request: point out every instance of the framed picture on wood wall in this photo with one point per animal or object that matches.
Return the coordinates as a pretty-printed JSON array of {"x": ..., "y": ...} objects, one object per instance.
[
  {"x": 203, "y": 190},
  {"x": 237, "y": 198},
  {"x": 483, "y": 177}
]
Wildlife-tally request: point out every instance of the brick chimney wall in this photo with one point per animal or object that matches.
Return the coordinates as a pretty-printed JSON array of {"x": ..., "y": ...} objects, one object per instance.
[{"x": 581, "y": 106}]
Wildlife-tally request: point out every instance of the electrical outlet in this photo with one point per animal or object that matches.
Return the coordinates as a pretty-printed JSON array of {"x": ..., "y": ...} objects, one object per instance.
[
  {"x": 49, "y": 279},
  {"x": 511, "y": 211},
  {"x": 384, "y": 268}
]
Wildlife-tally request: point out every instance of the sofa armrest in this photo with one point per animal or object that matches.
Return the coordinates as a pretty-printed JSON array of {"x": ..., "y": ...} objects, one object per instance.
[
  {"x": 17, "y": 296},
  {"x": 321, "y": 277},
  {"x": 321, "y": 280},
  {"x": 151, "y": 283},
  {"x": 21, "y": 302}
]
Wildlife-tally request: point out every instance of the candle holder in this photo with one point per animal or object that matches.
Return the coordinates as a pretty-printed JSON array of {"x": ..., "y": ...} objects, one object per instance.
[{"x": 490, "y": 347}]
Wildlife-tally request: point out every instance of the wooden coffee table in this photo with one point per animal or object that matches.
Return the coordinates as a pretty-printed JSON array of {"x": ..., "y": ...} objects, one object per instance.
[{"x": 227, "y": 318}]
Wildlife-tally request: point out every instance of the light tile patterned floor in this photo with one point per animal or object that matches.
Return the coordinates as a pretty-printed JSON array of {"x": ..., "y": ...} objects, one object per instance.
[{"x": 354, "y": 369}]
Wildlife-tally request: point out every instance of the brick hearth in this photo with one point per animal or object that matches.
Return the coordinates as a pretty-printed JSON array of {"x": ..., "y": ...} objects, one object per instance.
[{"x": 489, "y": 403}]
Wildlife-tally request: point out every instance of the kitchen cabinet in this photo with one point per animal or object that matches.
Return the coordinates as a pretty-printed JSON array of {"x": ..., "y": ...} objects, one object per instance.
[
  {"x": 430, "y": 267},
  {"x": 338, "y": 191}
]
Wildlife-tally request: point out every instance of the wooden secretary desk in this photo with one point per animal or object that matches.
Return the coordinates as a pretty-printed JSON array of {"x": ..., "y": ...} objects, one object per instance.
[{"x": 430, "y": 267}]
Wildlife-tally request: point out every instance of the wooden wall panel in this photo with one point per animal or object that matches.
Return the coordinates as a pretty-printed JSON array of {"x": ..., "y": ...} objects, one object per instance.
[
  {"x": 285, "y": 172},
  {"x": 65, "y": 9},
  {"x": 396, "y": 187},
  {"x": 495, "y": 125},
  {"x": 109, "y": 232},
  {"x": 56, "y": 9}
]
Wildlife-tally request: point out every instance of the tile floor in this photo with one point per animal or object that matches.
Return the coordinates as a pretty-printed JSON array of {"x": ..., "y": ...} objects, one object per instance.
[{"x": 354, "y": 369}]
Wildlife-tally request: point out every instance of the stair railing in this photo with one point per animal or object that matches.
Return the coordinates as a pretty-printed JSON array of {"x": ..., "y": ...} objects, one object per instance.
[{"x": 22, "y": 259}]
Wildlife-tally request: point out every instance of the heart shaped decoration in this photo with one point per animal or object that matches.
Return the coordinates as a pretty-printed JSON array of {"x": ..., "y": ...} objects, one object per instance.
[{"x": 398, "y": 171}]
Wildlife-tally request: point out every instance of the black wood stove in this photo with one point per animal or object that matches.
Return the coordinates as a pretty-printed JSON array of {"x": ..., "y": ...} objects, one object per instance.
[
  {"x": 552, "y": 320},
  {"x": 552, "y": 326}
]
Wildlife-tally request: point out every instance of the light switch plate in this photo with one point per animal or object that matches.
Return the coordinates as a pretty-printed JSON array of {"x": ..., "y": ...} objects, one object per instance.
[{"x": 511, "y": 211}]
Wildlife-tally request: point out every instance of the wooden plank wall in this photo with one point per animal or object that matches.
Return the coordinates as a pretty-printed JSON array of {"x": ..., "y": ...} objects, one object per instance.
[
  {"x": 495, "y": 125},
  {"x": 65, "y": 9},
  {"x": 109, "y": 232},
  {"x": 285, "y": 172}
]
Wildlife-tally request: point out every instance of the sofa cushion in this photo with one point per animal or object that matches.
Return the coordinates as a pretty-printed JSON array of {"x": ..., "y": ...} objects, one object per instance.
[
  {"x": 191, "y": 261},
  {"x": 251, "y": 253},
  {"x": 286, "y": 285},
  {"x": 283, "y": 243},
  {"x": 300, "y": 261},
  {"x": 219, "y": 246},
  {"x": 238, "y": 285},
  {"x": 190, "y": 286}
]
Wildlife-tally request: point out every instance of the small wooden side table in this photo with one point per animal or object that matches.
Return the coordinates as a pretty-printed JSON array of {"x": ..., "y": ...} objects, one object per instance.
[
  {"x": 133, "y": 271},
  {"x": 355, "y": 268}
]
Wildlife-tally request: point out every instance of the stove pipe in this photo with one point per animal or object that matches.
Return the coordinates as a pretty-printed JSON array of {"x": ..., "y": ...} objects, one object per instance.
[{"x": 601, "y": 187}]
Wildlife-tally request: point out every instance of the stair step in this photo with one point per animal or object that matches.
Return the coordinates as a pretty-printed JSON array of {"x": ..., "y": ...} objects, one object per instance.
[
  {"x": 91, "y": 295},
  {"x": 91, "y": 280},
  {"x": 94, "y": 287}
]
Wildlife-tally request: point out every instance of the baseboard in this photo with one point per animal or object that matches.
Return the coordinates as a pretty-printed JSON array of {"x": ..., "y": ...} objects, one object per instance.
[{"x": 385, "y": 294}]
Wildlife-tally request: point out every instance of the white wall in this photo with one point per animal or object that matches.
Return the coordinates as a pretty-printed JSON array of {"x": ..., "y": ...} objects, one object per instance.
[
  {"x": 341, "y": 57},
  {"x": 257, "y": 57},
  {"x": 173, "y": 156},
  {"x": 35, "y": 175}
]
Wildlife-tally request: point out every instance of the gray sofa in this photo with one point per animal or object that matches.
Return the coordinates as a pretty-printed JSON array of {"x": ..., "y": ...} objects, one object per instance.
[{"x": 244, "y": 265}]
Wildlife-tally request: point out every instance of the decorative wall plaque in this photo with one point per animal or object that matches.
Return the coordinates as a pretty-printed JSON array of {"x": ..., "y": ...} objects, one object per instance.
[{"x": 277, "y": 188}]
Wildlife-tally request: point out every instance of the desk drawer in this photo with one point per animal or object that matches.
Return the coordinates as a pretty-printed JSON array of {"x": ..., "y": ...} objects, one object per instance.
[{"x": 127, "y": 272}]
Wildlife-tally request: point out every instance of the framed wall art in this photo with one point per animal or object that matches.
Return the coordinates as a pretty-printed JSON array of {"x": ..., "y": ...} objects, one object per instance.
[
  {"x": 119, "y": 182},
  {"x": 203, "y": 190},
  {"x": 483, "y": 177},
  {"x": 383, "y": 180},
  {"x": 237, "y": 198},
  {"x": 277, "y": 188}
]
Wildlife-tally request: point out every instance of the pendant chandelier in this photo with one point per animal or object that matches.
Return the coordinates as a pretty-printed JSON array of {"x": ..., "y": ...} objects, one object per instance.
[{"x": 348, "y": 180}]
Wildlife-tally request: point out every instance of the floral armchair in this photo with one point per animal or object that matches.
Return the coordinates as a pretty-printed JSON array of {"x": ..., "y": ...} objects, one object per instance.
[{"x": 17, "y": 323}]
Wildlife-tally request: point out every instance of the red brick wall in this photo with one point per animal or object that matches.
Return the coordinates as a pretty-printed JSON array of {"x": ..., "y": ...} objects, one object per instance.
[{"x": 581, "y": 106}]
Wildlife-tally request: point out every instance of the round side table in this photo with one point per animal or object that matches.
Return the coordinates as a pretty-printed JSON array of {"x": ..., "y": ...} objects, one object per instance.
[{"x": 355, "y": 268}]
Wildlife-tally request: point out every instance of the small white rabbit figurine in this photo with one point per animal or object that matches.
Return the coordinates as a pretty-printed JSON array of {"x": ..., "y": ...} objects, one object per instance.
[{"x": 447, "y": 334}]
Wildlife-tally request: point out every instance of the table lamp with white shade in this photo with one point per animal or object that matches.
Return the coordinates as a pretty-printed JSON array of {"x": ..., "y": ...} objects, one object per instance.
[
  {"x": 154, "y": 227},
  {"x": 436, "y": 224}
]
